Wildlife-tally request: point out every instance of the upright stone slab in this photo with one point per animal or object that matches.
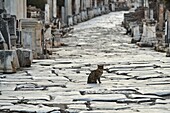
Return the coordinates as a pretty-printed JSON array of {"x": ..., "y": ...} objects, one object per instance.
[
  {"x": 70, "y": 20},
  {"x": 8, "y": 61},
  {"x": 2, "y": 40},
  {"x": 31, "y": 36},
  {"x": 75, "y": 19},
  {"x": 48, "y": 39},
  {"x": 1, "y": 6},
  {"x": 136, "y": 34},
  {"x": 3, "y": 45},
  {"x": 112, "y": 7},
  {"x": 12, "y": 29},
  {"x": 5, "y": 32}
]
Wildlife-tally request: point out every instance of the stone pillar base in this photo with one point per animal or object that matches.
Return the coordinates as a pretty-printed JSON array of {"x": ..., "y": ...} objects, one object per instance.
[
  {"x": 168, "y": 53},
  {"x": 8, "y": 61},
  {"x": 25, "y": 57}
]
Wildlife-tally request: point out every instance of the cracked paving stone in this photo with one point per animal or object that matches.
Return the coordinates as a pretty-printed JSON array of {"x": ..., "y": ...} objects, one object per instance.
[
  {"x": 137, "y": 101},
  {"x": 29, "y": 87},
  {"x": 101, "y": 98},
  {"x": 76, "y": 107},
  {"x": 107, "y": 106},
  {"x": 110, "y": 91},
  {"x": 137, "y": 96},
  {"x": 29, "y": 108}
]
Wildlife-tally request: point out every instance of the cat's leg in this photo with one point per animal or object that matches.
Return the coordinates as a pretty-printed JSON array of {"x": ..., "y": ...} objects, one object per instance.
[{"x": 99, "y": 80}]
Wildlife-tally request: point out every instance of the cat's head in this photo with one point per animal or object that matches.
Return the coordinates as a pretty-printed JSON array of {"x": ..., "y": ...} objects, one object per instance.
[{"x": 101, "y": 66}]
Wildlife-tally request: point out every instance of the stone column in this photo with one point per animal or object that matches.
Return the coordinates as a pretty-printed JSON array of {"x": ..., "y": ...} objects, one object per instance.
[
  {"x": 63, "y": 15},
  {"x": 161, "y": 17},
  {"x": 55, "y": 8},
  {"x": 16, "y": 7},
  {"x": 146, "y": 3},
  {"x": 50, "y": 3},
  {"x": 136, "y": 34},
  {"x": 168, "y": 35},
  {"x": 47, "y": 14},
  {"x": 140, "y": 2},
  {"x": 77, "y": 6},
  {"x": 146, "y": 13},
  {"x": 151, "y": 14},
  {"x": 68, "y": 9},
  {"x": 20, "y": 7},
  {"x": 10, "y": 6},
  {"x": 24, "y": 9},
  {"x": 168, "y": 27},
  {"x": 1, "y": 4},
  {"x": 95, "y": 3}
]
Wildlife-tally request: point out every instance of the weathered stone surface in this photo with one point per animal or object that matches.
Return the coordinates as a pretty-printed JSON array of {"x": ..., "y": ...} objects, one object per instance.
[
  {"x": 9, "y": 61},
  {"x": 101, "y": 98},
  {"x": 98, "y": 41},
  {"x": 111, "y": 91},
  {"x": 29, "y": 108},
  {"x": 31, "y": 36},
  {"x": 25, "y": 57}
]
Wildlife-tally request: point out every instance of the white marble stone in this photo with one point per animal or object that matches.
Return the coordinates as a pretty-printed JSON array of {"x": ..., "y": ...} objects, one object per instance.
[{"x": 47, "y": 14}]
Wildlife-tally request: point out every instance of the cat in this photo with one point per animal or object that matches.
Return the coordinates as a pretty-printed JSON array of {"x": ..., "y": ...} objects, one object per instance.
[{"x": 95, "y": 75}]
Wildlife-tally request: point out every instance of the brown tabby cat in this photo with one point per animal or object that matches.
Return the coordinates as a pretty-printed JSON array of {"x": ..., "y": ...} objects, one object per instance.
[{"x": 95, "y": 75}]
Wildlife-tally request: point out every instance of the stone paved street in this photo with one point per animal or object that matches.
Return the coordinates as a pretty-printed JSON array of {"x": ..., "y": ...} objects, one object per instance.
[{"x": 135, "y": 80}]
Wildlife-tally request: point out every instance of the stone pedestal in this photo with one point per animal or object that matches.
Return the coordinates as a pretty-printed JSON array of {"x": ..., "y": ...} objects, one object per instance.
[
  {"x": 136, "y": 34},
  {"x": 31, "y": 36},
  {"x": 99, "y": 11},
  {"x": 8, "y": 61},
  {"x": 103, "y": 10},
  {"x": 84, "y": 16},
  {"x": 56, "y": 39},
  {"x": 90, "y": 13},
  {"x": 112, "y": 7},
  {"x": 78, "y": 18},
  {"x": 70, "y": 21},
  {"x": 75, "y": 19},
  {"x": 25, "y": 57},
  {"x": 149, "y": 33}
]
